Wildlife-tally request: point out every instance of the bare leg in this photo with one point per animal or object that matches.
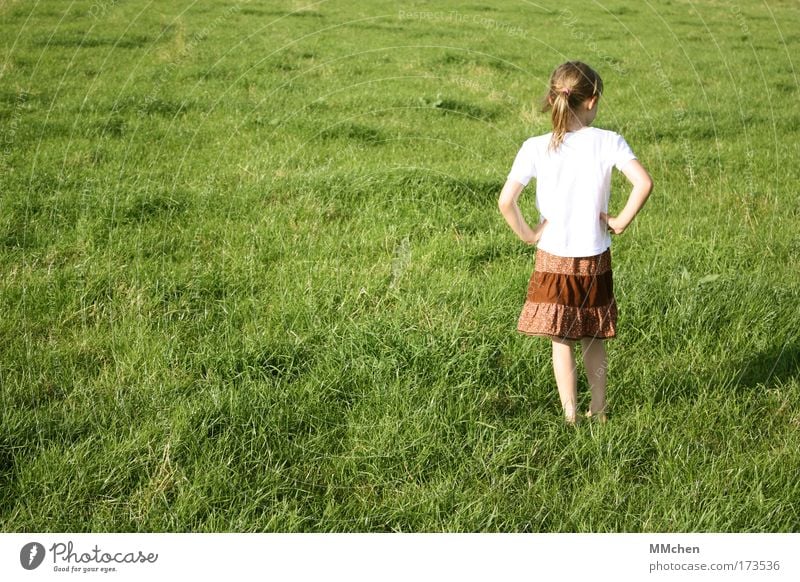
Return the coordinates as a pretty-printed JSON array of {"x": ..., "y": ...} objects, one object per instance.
[
  {"x": 566, "y": 377},
  {"x": 595, "y": 362}
]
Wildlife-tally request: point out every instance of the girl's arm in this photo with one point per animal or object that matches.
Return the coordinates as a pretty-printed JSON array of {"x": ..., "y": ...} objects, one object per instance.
[
  {"x": 642, "y": 186},
  {"x": 508, "y": 207}
]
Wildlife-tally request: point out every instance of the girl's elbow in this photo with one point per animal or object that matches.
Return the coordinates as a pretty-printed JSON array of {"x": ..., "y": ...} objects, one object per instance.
[{"x": 646, "y": 186}]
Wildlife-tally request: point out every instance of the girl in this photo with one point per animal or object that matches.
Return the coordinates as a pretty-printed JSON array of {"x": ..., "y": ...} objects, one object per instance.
[{"x": 570, "y": 295}]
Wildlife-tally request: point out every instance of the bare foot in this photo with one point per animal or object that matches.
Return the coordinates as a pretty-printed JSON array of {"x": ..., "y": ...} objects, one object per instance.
[{"x": 599, "y": 416}]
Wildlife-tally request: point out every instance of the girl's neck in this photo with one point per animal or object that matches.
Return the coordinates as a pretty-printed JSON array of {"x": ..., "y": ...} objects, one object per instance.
[
  {"x": 581, "y": 117},
  {"x": 572, "y": 128}
]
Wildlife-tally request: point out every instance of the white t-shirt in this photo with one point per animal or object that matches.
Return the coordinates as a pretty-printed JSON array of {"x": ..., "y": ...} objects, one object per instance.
[{"x": 572, "y": 187}]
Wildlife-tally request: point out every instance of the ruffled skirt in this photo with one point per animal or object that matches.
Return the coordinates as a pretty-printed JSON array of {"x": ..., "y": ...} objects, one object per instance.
[{"x": 570, "y": 298}]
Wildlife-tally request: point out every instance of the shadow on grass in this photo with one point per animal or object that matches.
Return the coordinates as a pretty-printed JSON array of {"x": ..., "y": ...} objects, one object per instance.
[
  {"x": 775, "y": 365},
  {"x": 778, "y": 364}
]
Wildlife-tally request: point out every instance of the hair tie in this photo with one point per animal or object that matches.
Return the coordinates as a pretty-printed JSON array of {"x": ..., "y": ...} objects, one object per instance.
[{"x": 565, "y": 91}]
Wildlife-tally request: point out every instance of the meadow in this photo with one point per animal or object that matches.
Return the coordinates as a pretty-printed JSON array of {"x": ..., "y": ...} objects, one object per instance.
[{"x": 254, "y": 276}]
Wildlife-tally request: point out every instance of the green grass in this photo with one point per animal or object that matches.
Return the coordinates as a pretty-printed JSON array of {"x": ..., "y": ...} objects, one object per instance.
[{"x": 254, "y": 277}]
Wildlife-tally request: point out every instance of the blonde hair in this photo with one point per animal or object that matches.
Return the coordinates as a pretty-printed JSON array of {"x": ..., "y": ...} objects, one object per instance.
[{"x": 570, "y": 85}]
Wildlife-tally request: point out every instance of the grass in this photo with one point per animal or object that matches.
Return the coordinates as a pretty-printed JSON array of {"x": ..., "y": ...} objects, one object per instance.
[{"x": 255, "y": 278}]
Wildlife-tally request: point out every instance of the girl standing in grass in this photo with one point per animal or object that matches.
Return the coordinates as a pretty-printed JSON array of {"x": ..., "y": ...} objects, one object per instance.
[{"x": 570, "y": 295}]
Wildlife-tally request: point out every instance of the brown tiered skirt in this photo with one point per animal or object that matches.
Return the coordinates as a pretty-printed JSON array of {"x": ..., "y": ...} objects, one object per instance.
[{"x": 570, "y": 298}]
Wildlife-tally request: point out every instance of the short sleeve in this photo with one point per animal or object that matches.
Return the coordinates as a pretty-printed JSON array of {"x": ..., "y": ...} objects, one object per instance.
[
  {"x": 524, "y": 166},
  {"x": 621, "y": 152}
]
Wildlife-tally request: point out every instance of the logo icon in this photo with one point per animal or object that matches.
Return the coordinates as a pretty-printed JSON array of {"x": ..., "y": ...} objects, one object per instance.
[{"x": 31, "y": 556}]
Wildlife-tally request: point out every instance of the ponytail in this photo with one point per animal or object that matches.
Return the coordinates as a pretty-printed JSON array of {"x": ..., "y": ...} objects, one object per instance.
[{"x": 560, "y": 118}]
